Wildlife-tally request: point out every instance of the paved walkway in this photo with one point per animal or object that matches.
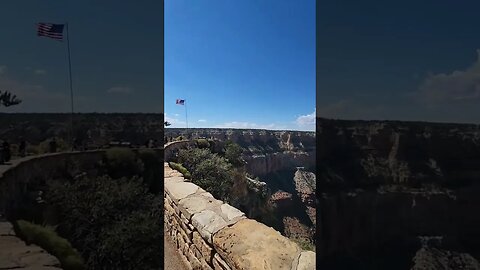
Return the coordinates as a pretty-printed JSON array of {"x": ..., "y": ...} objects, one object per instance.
[{"x": 15, "y": 254}]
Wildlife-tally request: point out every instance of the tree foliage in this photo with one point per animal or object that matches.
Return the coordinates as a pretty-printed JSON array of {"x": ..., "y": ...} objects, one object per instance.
[
  {"x": 121, "y": 162},
  {"x": 7, "y": 99},
  {"x": 152, "y": 173},
  {"x": 116, "y": 223},
  {"x": 233, "y": 153},
  {"x": 208, "y": 170}
]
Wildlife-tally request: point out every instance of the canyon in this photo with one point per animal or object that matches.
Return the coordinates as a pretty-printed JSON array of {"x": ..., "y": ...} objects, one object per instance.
[
  {"x": 398, "y": 195},
  {"x": 279, "y": 165}
]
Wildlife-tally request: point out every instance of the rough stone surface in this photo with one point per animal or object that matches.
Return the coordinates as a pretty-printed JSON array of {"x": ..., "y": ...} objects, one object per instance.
[
  {"x": 175, "y": 179},
  {"x": 428, "y": 258},
  {"x": 220, "y": 263},
  {"x": 252, "y": 245},
  {"x": 172, "y": 259},
  {"x": 180, "y": 190},
  {"x": 6, "y": 229},
  {"x": 230, "y": 213},
  {"x": 207, "y": 223},
  {"x": 306, "y": 261},
  {"x": 196, "y": 203},
  {"x": 193, "y": 216},
  {"x": 205, "y": 250}
]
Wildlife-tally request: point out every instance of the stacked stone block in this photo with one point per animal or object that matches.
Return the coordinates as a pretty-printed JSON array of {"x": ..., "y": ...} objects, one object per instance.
[{"x": 211, "y": 234}]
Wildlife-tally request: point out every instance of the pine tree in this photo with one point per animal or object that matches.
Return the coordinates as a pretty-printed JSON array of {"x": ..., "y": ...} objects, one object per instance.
[{"x": 6, "y": 99}]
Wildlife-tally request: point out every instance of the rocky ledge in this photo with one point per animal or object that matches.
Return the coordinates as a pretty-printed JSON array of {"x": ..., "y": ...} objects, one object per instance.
[
  {"x": 382, "y": 184},
  {"x": 210, "y": 234}
]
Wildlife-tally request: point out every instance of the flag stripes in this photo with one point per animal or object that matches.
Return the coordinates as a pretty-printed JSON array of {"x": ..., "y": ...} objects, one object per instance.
[
  {"x": 180, "y": 101},
  {"x": 50, "y": 30}
]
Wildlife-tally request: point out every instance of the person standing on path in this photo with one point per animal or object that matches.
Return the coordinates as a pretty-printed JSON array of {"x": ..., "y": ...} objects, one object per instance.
[
  {"x": 2, "y": 155},
  {"x": 22, "y": 147},
  {"x": 6, "y": 151},
  {"x": 53, "y": 145}
]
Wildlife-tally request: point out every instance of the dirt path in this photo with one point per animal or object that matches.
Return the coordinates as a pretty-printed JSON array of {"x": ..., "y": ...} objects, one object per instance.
[{"x": 172, "y": 259}]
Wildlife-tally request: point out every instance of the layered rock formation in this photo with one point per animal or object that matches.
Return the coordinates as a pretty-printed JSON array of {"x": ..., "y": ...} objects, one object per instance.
[
  {"x": 267, "y": 150},
  {"x": 210, "y": 234},
  {"x": 96, "y": 129},
  {"x": 382, "y": 185},
  {"x": 273, "y": 156}
]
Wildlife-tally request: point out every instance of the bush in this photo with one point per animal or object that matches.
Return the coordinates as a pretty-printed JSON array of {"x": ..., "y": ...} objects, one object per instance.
[
  {"x": 202, "y": 143},
  {"x": 121, "y": 162},
  {"x": 52, "y": 243},
  {"x": 233, "y": 153},
  {"x": 192, "y": 157},
  {"x": 181, "y": 169},
  {"x": 152, "y": 170},
  {"x": 210, "y": 171},
  {"x": 215, "y": 176},
  {"x": 44, "y": 147},
  {"x": 32, "y": 149},
  {"x": 304, "y": 244},
  {"x": 116, "y": 223}
]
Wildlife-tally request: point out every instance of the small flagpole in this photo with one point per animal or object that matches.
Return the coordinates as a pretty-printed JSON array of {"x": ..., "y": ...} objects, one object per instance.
[
  {"x": 186, "y": 118},
  {"x": 71, "y": 86}
]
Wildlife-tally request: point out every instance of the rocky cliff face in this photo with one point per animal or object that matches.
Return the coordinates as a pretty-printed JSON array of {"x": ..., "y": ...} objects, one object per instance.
[
  {"x": 273, "y": 156},
  {"x": 267, "y": 150},
  {"x": 384, "y": 185},
  {"x": 93, "y": 128}
]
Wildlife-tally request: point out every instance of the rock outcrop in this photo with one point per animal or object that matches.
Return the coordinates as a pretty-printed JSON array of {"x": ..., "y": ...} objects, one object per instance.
[
  {"x": 266, "y": 150},
  {"x": 284, "y": 198},
  {"x": 211, "y": 234},
  {"x": 382, "y": 184}
]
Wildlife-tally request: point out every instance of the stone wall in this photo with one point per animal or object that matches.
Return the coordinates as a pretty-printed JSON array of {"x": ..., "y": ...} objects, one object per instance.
[
  {"x": 211, "y": 234},
  {"x": 20, "y": 173},
  {"x": 16, "y": 176},
  {"x": 172, "y": 148}
]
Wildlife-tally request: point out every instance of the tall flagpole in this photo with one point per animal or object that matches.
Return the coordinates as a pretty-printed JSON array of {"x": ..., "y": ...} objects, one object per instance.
[{"x": 71, "y": 86}]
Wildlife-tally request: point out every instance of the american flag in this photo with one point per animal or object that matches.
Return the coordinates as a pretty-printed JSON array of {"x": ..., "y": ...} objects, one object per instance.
[
  {"x": 180, "y": 101},
  {"x": 50, "y": 30}
]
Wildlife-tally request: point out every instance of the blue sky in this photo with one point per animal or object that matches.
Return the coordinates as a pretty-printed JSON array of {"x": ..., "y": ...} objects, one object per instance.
[
  {"x": 116, "y": 56},
  {"x": 403, "y": 60},
  {"x": 240, "y": 64}
]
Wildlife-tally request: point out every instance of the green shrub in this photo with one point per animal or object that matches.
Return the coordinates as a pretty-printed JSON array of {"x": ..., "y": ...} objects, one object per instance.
[
  {"x": 192, "y": 157},
  {"x": 52, "y": 243},
  {"x": 202, "y": 143},
  {"x": 33, "y": 149},
  {"x": 215, "y": 175},
  {"x": 116, "y": 223},
  {"x": 304, "y": 244},
  {"x": 121, "y": 162},
  {"x": 181, "y": 169},
  {"x": 152, "y": 170},
  {"x": 208, "y": 170},
  {"x": 44, "y": 147},
  {"x": 233, "y": 153}
]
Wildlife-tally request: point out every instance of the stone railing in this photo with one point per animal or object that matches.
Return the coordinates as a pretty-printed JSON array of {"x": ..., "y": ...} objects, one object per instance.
[
  {"x": 19, "y": 173},
  {"x": 211, "y": 234},
  {"x": 171, "y": 148}
]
